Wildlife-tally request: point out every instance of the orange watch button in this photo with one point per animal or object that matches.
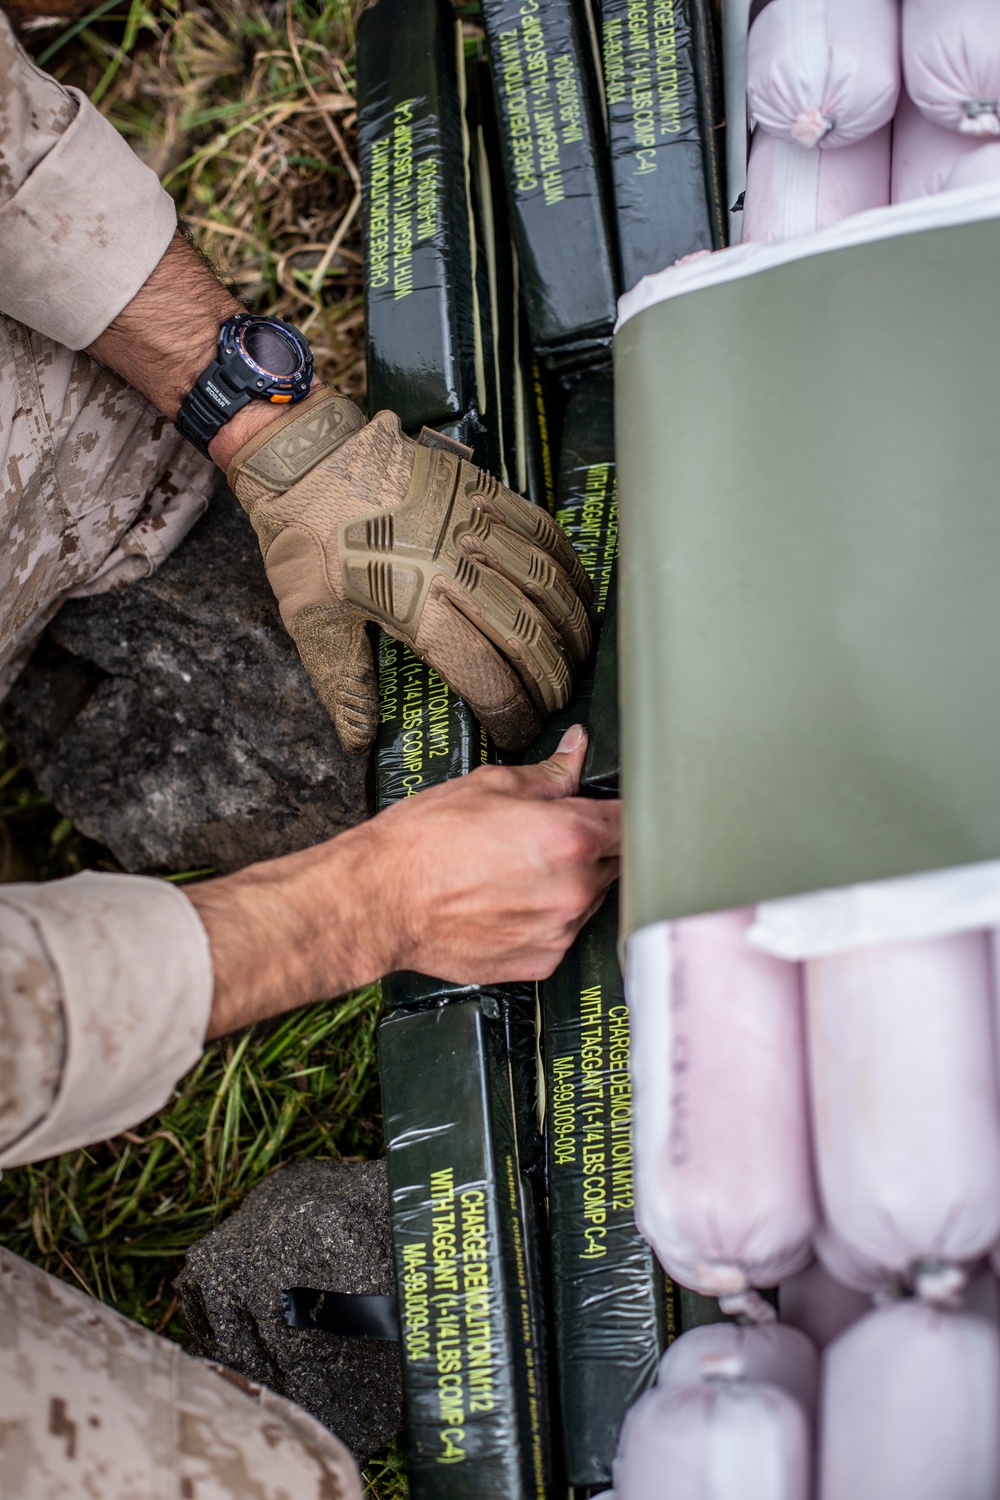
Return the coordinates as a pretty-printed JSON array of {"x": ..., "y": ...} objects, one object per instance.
[{"x": 280, "y": 398}]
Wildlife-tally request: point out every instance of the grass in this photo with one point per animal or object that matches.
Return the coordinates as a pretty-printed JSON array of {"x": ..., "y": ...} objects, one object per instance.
[{"x": 246, "y": 111}]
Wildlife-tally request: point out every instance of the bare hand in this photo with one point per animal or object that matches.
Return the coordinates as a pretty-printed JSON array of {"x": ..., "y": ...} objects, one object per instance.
[
  {"x": 492, "y": 876},
  {"x": 484, "y": 880}
]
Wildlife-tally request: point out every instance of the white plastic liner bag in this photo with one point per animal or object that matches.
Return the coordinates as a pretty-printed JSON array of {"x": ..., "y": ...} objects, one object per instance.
[
  {"x": 911, "y": 1408},
  {"x": 729, "y": 1419},
  {"x": 905, "y": 1113},
  {"x": 790, "y": 191},
  {"x": 935, "y": 903},
  {"x": 724, "y": 1190},
  {"x": 951, "y": 62},
  {"x": 735, "y": 20},
  {"x": 823, "y": 72},
  {"x": 924, "y": 155}
]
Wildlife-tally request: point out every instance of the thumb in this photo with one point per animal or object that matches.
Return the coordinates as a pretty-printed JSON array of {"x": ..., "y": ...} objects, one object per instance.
[
  {"x": 335, "y": 651},
  {"x": 559, "y": 776}
]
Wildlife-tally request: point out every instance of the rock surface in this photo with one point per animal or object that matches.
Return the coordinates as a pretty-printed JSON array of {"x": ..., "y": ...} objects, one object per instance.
[
  {"x": 321, "y": 1224},
  {"x": 173, "y": 721}
]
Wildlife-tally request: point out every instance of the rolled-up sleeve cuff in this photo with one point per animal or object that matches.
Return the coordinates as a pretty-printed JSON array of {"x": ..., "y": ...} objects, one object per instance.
[
  {"x": 132, "y": 963},
  {"x": 82, "y": 233}
]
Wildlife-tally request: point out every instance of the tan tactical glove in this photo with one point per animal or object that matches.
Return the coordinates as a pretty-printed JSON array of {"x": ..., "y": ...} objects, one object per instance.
[{"x": 358, "y": 522}]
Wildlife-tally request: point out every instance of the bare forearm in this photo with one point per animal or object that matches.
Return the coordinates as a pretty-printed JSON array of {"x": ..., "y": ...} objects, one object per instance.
[
  {"x": 295, "y": 930},
  {"x": 165, "y": 337},
  {"x": 482, "y": 881}
]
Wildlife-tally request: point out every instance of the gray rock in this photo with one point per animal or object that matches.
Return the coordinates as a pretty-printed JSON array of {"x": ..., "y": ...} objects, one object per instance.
[
  {"x": 173, "y": 721},
  {"x": 321, "y": 1224}
]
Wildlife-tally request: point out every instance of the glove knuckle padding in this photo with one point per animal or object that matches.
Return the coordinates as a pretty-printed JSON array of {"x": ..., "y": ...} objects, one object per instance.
[
  {"x": 391, "y": 559},
  {"x": 359, "y": 518}
]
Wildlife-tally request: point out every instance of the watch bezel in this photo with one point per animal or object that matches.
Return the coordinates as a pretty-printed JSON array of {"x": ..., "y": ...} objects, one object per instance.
[{"x": 243, "y": 371}]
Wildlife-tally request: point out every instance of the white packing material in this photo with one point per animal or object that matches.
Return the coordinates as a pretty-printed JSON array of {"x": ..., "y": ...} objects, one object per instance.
[
  {"x": 735, "y": 21},
  {"x": 715, "y": 1440},
  {"x": 723, "y": 1179},
  {"x": 911, "y": 1408},
  {"x": 698, "y": 273},
  {"x": 936, "y": 903},
  {"x": 823, "y": 72},
  {"x": 766, "y": 1354},
  {"x": 905, "y": 1113},
  {"x": 924, "y": 155},
  {"x": 951, "y": 62},
  {"x": 790, "y": 191},
  {"x": 820, "y": 1306}
]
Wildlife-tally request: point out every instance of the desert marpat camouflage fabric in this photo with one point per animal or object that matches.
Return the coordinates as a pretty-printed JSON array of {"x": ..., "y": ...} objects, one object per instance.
[
  {"x": 92, "y": 1405},
  {"x": 105, "y": 980}
]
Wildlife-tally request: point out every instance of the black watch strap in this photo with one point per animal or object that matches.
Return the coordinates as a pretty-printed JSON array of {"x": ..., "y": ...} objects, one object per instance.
[{"x": 208, "y": 405}]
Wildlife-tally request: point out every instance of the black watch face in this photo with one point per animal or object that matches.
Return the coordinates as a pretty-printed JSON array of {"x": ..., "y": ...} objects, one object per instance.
[{"x": 272, "y": 350}]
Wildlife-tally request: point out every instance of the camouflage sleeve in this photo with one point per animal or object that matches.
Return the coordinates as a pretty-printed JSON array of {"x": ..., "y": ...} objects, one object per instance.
[
  {"x": 82, "y": 221},
  {"x": 93, "y": 1405},
  {"x": 105, "y": 995}
]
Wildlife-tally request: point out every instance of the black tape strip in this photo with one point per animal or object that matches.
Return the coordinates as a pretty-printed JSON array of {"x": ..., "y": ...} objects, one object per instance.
[{"x": 350, "y": 1315}]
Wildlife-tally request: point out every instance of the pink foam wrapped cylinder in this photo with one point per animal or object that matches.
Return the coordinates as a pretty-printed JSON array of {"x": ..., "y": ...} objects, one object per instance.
[
  {"x": 951, "y": 63},
  {"x": 790, "y": 191},
  {"x": 981, "y": 166},
  {"x": 769, "y": 1354},
  {"x": 724, "y": 1189},
  {"x": 823, "y": 72},
  {"x": 911, "y": 1408},
  {"x": 924, "y": 155},
  {"x": 905, "y": 1112},
  {"x": 819, "y": 1305},
  {"x": 723, "y": 1440}
]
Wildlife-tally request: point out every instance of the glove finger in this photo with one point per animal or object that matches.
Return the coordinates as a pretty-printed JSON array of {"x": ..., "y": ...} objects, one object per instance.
[
  {"x": 335, "y": 651},
  {"x": 537, "y": 526},
  {"x": 517, "y": 629},
  {"x": 460, "y": 654},
  {"x": 537, "y": 575}
]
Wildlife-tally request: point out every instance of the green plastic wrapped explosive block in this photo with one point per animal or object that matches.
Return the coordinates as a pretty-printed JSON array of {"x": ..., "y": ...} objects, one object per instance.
[
  {"x": 586, "y": 494},
  {"x": 473, "y": 1382},
  {"x": 419, "y": 287},
  {"x": 497, "y": 351},
  {"x": 537, "y": 480},
  {"x": 663, "y": 134},
  {"x": 427, "y": 735},
  {"x": 601, "y": 768},
  {"x": 554, "y": 156},
  {"x": 586, "y": 507},
  {"x": 609, "y": 1315}
]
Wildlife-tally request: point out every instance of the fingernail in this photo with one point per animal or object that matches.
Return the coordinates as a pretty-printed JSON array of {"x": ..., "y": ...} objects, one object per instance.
[{"x": 570, "y": 740}]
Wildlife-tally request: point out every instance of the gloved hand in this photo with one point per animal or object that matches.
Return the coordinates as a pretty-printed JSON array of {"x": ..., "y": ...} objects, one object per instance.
[{"x": 358, "y": 522}]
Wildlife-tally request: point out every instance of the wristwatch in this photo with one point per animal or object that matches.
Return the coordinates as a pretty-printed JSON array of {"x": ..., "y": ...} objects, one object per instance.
[{"x": 257, "y": 359}]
